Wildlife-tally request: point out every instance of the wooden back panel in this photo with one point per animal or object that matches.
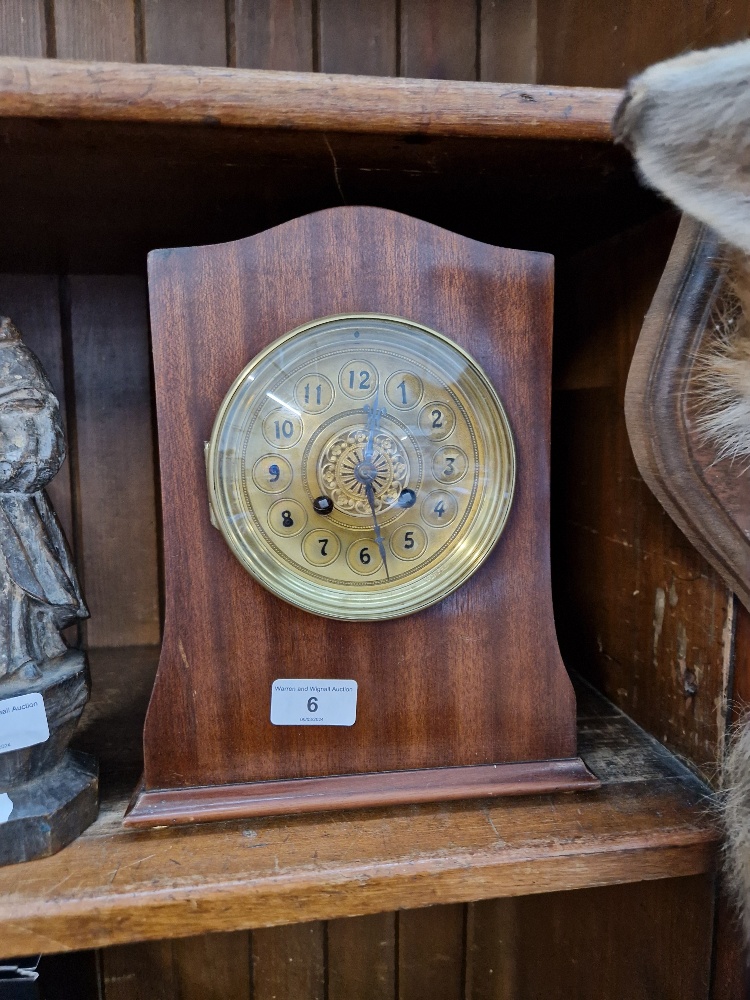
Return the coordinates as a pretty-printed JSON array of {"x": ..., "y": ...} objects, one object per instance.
[{"x": 476, "y": 679}]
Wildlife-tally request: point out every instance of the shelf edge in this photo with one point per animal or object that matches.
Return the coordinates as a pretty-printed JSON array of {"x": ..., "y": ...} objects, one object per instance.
[{"x": 215, "y": 96}]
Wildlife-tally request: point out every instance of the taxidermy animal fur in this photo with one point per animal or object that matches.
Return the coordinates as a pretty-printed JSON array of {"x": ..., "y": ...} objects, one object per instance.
[{"x": 687, "y": 122}]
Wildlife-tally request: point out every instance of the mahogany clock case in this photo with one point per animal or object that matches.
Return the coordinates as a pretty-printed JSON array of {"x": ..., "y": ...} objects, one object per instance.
[{"x": 469, "y": 697}]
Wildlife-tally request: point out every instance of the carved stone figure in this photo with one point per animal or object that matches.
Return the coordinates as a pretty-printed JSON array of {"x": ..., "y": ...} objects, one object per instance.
[{"x": 48, "y": 794}]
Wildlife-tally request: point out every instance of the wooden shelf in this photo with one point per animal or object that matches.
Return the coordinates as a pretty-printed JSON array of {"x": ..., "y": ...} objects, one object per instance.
[
  {"x": 650, "y": 820},
  {"x": 215, "y": 96},
  {"x": 103, "y": 162}
]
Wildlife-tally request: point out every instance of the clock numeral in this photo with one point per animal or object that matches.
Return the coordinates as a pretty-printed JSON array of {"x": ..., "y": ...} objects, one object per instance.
[
  {"x": 318, "y": 393},
  {"x": 450, "y": 464},
  {"x": 437, "y": 420},
  {"x": 313, "y": 393},
  {"x": 403, "y": 390},
  {"x": 282, "y": 428},
  {"x": 272, "y": 474},
  {"x": 364, "y": 379},
  {"x": 320, "y": 550},
  {"x": 408, "y": 542},
  {"x": 286, "y": 517},
  {"x": 358, "y": 379},
  {"x": 286, "y": 429},
  {"x": 439, "y": 508},
  {"x": 363, "y": 558}
]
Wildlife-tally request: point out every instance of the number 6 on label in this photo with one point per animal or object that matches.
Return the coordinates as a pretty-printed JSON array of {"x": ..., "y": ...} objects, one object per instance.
[{"x": 303, "y": 702}]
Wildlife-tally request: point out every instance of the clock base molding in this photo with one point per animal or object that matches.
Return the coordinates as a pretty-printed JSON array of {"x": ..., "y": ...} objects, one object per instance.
[{"x": 176, "y": 806}]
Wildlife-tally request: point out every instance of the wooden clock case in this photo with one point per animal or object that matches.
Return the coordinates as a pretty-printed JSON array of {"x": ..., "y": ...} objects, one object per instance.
[{"x": 467, "y": 698}]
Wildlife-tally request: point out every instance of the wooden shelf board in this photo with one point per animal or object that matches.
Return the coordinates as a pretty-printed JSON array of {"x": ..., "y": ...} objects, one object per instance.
[
  {"x": 103, "y": 162},
  {"x": 99, "y": 91},
  {"x": 650, "y": 820}
]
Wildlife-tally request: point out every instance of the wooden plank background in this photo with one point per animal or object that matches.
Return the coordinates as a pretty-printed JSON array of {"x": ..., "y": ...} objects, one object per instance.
[{"x": 660, "y": 603}]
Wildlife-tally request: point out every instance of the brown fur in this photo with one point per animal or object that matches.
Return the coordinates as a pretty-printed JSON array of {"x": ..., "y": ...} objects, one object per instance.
[
  {"x": 687, "y": 121},
  {"x": 735, "y": 800},
  {"x": 724, "y": 370}
]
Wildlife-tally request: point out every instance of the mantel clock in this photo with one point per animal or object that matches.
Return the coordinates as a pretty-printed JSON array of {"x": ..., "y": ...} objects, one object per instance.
[{"x": 353, "y": 421}]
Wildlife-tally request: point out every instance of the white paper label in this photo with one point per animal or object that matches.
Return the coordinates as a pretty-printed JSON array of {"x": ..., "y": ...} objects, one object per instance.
[
  {"x": 6, "y": 807},
  {"x": 313, "y": 703},
  {"x": 23, "y": 722}
]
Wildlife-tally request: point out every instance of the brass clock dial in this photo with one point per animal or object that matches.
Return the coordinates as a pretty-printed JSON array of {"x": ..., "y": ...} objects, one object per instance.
[{"x": 362, "y": 467}]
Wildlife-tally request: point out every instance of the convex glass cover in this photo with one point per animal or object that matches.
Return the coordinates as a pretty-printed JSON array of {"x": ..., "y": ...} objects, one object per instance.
[{"x": 361, "y": 467}]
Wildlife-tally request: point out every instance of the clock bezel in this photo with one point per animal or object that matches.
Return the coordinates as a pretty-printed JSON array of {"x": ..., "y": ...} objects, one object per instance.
[{"x": 411, "y": 596}]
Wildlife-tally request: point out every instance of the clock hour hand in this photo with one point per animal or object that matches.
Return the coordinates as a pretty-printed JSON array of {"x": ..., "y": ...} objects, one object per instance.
[
  {"x": 374, "y": 414},
  {"x": 378, "y": 537}
]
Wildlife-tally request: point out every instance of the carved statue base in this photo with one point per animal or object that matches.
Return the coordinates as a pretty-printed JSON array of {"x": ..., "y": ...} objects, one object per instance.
[
  {"x": 49, "y": 794},
  {"x": 53, "y": 810}
]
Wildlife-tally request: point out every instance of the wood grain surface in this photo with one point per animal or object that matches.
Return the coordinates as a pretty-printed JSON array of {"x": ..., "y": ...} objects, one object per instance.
[
  {"x": 172, "y": 806},
  {"x": 96, "y": 197},
  {"x": 650, "y": 820},
  {"x": 23, "y": 31},
  {"x": 114, "y": 458},
  {"x": 361, "y": 957},
  {"x": 508, "y": 40},
  {"x": 660, "y": 645},
  {"x": 435, "y": 972},
  {"x": 290, "y": 962},
  {"x": 439, "y": 39},
  {"x": 452, "y": 704},
  {"x": 273, "y": 34},
  {"x": 634, "y": 931},
  {"x": 604, "y": 44},
  {"x": 185, "y": 33},
  {"x": 249, "y": 98},
  {"x": 104, "y": 30},
  {"x": 651, "y": 939},
  {"x": 358, "y": 38}
]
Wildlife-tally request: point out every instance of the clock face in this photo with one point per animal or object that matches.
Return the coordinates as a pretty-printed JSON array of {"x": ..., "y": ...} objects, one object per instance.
[{"x": 361, "y": 467}]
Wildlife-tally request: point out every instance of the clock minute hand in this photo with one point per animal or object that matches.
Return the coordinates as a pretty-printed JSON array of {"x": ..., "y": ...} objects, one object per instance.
[
  {"x": 368, "y": 474},
  {"x": 374, "y": 413},
  {"x": 378, "y": 537}
]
